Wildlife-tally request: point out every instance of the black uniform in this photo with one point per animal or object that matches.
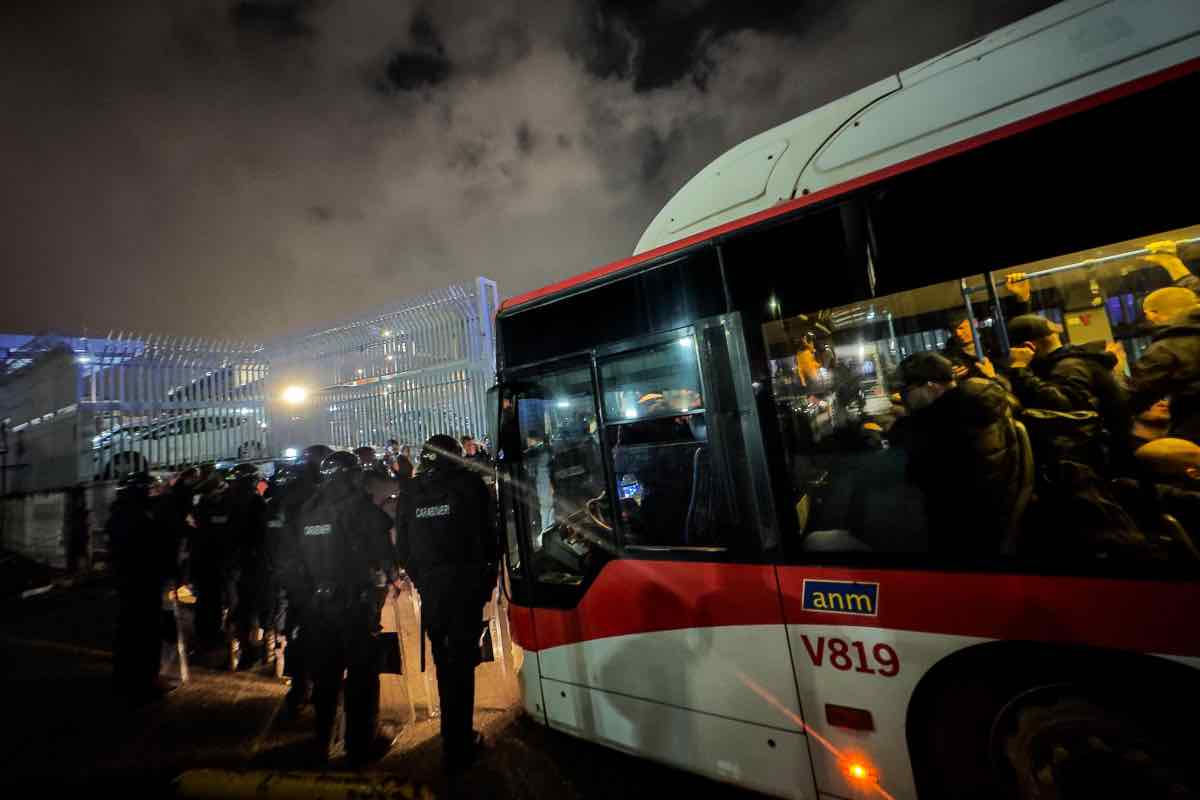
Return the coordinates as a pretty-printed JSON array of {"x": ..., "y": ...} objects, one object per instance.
[
  {"x": 343, "y": 543},
  {"x": 963, "y": 454},
  {"x": 1073, "y": 379},
  {"x": 1171, "y": 368},
  {"x": 446, "y": 540},
  {"x": 250, "y": 565},
  {"x": 279, "y": 545},
  {"x": 289, "y": 566},
  {"x": 143, "y": 560},
  {"x": 173, "y": 510},
  {"x": 212, "y": 559}
]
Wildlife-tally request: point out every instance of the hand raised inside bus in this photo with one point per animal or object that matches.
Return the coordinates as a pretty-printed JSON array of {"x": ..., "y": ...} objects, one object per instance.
[
  {"x": 1019, "y": 357},
  {"x": 1018, "y": 284},
  {"x": 1166, "y": 255}
]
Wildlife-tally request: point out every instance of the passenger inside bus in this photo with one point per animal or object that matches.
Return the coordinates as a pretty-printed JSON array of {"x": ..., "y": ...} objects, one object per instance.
[{"x": 1047, "y": 410}]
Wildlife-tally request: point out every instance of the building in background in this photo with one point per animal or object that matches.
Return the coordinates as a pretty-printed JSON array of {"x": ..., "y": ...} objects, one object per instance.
[
  {"x": 81, "y": 409},
  {"x": 78, "y": 410}
]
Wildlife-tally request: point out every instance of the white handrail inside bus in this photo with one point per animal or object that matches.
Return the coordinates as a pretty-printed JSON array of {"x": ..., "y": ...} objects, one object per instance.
[{"x": 1089, "y": 262}]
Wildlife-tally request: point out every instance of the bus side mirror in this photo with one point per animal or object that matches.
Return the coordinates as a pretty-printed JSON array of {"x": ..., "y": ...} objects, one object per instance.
[{"x": 492, "y": 409}]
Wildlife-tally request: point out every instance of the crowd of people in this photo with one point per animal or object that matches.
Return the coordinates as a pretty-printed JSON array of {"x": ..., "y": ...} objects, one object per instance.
[
  {"x": 291, "y": 573},
  {"x": 1060, "y": 448}
]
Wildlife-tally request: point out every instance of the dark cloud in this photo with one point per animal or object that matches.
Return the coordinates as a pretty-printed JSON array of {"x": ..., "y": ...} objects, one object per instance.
[
  {"x": 525, "y": 139},
  {"x": 423, "y": 65},
  {"x": 408, "y": 71},
  {"x": 657, "y": 43},
  {"x": 250, "y": 179},
  {"x": 281, "y": 18}
]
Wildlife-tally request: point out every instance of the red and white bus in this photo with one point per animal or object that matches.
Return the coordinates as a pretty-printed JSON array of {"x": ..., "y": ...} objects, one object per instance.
[{"x": 716, "y": 553}]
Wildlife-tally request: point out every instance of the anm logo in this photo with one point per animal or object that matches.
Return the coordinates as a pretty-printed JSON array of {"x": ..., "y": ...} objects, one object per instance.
[{"x": 841, "y": 597}]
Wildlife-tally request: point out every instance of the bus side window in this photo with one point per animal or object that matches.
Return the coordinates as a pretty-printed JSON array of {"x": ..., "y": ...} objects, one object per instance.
[
  {"x": 1019, "y": 414},
  {"x": 675, "y": 445}
]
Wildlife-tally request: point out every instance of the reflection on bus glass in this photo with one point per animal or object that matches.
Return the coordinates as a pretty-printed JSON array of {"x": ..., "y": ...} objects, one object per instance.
[
  {"x": 1047, "y": 410},
  {"x": 566, "y": 508}
]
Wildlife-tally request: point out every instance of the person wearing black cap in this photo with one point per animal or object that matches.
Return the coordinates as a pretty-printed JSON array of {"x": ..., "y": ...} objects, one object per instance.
[
  {"x": 960, "y": 350},
  {"x": 964, "y": 454},
  {"x": 446, "y": 540},
  {"x": 1047, "y": 374},
  {"x": 344, "y": 544}
]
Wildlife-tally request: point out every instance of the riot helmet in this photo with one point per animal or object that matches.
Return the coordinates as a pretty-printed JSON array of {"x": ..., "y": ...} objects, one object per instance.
[
  {"x": 315, "y": 453},
  {"x": 244, "y": 472},
  {"x": 366, "y": 456},
  {"x": 284, "y": 478},
  {"x": 188, "y": 477},
  {"x": 138, "y": 484},
  {"x": 440, "y": 451},
  {"x": 338, "y": 463}
]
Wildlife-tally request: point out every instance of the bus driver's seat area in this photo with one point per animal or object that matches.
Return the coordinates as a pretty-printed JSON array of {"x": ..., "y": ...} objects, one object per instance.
[{"x": 667, "y": 461}]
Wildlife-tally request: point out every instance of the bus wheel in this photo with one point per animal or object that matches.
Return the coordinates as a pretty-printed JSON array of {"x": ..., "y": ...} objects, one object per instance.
[{"x": 1058, "y": 744}]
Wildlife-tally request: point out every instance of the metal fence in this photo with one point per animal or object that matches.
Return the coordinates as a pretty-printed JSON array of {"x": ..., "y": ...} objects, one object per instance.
[
  {"x": 80, "y": 409},
  {"x": 418, "y": 368}
]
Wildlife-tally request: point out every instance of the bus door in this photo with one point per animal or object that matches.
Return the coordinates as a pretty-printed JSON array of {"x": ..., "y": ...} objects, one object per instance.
[{"x": 647, "y": 531}]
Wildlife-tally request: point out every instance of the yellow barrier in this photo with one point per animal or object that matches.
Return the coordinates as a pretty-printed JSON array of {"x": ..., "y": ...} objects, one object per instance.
[{"x": 202, "y": 784}]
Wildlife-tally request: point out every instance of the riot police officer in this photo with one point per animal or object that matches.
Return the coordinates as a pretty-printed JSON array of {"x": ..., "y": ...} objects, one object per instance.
[
  {"x": 210, "y": 547},
  {"x": 280, "y": 549},
  {"x": 143, "y": 559},
  {"x": 343, "y": 543},
  {"x": 446, "y": 540},
  {"x": 366, "y": 456},
  {"x": 291, "y": 572},
  {"x": 175, "y": 510},
  {"x": 250, "y": 569}
]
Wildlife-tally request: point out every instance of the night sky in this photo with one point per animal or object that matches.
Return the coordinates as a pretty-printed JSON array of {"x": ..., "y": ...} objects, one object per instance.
[{"x": 250, "y": 169}]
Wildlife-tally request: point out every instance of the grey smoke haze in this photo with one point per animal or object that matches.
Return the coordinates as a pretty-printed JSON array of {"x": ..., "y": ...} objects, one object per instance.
[{"x": 255, "y": 168}]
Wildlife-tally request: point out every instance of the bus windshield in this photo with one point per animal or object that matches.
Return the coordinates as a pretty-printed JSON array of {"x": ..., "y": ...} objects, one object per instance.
[{"x": 559, "y": 482}]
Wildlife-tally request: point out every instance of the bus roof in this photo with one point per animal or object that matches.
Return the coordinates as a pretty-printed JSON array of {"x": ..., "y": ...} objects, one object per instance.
[{"x": 1072, "y": 56}]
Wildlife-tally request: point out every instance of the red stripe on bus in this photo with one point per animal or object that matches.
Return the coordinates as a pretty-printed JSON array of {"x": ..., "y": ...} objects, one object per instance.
[
  {"x": 1145, "y": 616},
  {"x": 972, "y": 143},
  {"x": 630, "y": 597},
  {"x": 520, "y": 624}
]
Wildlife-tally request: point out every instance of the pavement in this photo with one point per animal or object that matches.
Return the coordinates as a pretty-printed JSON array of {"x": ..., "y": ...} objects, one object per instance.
[{"x": 65, "y": 732}]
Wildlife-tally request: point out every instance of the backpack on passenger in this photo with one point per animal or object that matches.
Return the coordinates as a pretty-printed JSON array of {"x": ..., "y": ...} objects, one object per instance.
[{"x": 1080, "y": 511}]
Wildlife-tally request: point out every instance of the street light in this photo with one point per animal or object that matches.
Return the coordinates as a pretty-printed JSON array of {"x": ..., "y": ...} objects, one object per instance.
[{"x": 295, "y": 395}]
